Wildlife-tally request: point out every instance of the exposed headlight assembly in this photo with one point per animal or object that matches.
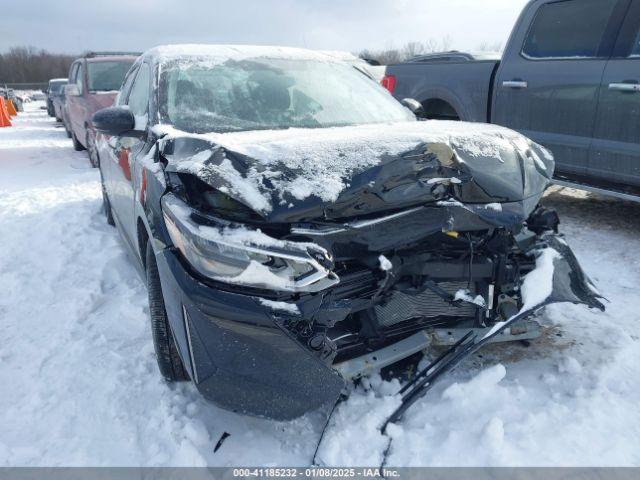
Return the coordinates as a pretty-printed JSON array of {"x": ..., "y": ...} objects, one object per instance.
[{"x": 239, "y": 255}]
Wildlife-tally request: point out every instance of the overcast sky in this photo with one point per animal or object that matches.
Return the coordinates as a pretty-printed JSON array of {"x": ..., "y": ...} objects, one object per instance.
[{"x": 73, "y": 26}]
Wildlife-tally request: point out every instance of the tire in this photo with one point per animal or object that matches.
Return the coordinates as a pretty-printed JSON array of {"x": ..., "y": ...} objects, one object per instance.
[
  {"x": 94, "y": 160},
  {"x": 66, "y": 129},
  {"x": 77, "y": 146},
  {"x": 169, "y": 362},
  {"x": 106, "y": 204}
]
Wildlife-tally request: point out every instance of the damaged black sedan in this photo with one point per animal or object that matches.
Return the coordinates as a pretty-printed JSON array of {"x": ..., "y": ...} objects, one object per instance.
[{"x": 297, "y": 227}]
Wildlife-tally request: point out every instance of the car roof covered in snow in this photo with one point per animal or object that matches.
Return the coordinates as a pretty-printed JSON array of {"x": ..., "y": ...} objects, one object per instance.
[
  {"x": 222, "y": 53},
  {"x": 112, "y": 58}
]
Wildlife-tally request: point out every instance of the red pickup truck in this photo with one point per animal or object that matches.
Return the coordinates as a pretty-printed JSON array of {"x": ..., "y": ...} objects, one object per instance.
[{"x": 94, "y": 82}]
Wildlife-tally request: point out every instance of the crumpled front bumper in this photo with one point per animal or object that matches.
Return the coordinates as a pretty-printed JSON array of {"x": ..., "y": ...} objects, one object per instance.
[
  {"x": 236, "y": 354},
  {"x": 241, "y": 359}
]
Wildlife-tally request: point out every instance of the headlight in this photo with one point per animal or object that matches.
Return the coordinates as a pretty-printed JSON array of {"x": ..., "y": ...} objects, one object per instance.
[{"x": 249, "y": 257}]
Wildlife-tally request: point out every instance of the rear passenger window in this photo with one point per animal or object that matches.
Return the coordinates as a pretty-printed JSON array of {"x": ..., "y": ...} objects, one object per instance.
[{"x": 568, "y": 29}]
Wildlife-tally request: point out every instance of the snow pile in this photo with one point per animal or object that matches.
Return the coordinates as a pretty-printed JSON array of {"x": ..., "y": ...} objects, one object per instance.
[
  {"x": 363, "y": 412},
  {"x": 538, "y": 284},
  {"x": 385, "y": 263}
]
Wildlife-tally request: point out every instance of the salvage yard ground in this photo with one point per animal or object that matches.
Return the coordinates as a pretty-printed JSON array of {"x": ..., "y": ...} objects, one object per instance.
[{"x": 80, "y": 385}]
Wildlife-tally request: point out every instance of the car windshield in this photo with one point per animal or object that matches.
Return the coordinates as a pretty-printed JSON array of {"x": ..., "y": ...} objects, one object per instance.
[
  {"x": 203, "y": 96},
  {"x": 56, "y": 87},
  {"x": 107, "y": 76}
]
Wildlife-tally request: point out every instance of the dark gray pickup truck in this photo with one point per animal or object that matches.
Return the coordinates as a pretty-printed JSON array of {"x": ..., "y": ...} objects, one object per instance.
[{"x": 569, "y": 79}]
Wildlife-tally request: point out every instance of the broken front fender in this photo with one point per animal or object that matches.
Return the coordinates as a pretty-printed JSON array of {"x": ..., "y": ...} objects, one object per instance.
[
  {"x": 570, "y": 283},
  {"x": 557, "y": 278}
]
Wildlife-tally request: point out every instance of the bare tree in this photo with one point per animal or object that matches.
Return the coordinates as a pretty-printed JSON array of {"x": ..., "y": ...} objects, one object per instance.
[
  {"x": 486, "y": 46},
  {"x": 409, "y": 50},
  {"x": 28, "y": 64}
]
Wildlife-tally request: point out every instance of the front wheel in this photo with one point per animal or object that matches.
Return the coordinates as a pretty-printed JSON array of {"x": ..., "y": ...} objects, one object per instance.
[
  {"x": 92, "y": 151},
  {"x": 77, "y": 146},
  {"x": 169, "y": 362}
]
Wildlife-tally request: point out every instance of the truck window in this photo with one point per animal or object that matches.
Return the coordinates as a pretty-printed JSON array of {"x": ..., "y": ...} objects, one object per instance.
[
  {"x": 79, "y": 78},
  {"x": 568, "y": 29},
  {"x": 74, "y": 72}
]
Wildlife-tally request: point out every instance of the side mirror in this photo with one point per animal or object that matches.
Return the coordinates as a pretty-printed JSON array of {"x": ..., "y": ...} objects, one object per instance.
[
  {"x": 71, "y": 90},
  {"x": 118, "y": 121},
  {"x": 413, "y": 105}
]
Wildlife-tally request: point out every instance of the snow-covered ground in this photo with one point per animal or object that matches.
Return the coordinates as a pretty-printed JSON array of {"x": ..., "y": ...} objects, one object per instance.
[{"x": 79, "y": 384}]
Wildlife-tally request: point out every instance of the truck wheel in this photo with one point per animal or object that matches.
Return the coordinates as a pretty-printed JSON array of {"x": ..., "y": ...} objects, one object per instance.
[
  {"x": 169, "y": 361},
  {"x": 92, "y": 150},
  {"x": 77, "y": 146}
]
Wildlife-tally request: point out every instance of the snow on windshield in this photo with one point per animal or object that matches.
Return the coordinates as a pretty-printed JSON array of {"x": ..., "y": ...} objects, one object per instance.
[{"x": 202, "y": 95}]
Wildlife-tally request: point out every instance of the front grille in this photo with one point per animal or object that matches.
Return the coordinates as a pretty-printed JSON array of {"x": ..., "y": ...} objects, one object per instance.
[{"x": 401, "y": 307}]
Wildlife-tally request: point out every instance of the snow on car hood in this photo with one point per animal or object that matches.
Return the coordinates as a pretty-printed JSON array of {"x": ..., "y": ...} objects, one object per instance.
[{"x": 378, "y": 166}]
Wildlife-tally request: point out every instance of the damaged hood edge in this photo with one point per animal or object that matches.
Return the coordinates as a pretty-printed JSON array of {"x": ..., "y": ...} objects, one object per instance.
[{"x": 502, "y": 183}]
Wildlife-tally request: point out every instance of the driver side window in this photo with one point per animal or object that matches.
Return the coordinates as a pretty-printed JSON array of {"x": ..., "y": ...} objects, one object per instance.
[
  {"x": 121, "y": 99},
  {"x": 139, "y": 97}
]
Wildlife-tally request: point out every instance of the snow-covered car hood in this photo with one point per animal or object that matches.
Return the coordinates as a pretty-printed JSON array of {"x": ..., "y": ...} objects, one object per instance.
[{"x": 340, "y": 172}]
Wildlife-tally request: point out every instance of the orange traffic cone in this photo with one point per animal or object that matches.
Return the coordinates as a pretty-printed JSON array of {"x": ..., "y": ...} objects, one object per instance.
[
  {"x": 11, "y": 108},
  {"x": 4, "y": 115}
]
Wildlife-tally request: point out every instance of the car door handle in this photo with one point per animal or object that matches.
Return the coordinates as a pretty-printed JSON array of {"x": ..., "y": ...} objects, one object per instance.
[
  {"x": 515, "y": 84},
  {"x": 625, "y": 87}
]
